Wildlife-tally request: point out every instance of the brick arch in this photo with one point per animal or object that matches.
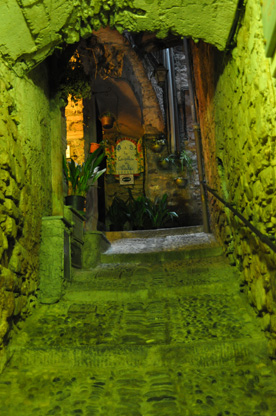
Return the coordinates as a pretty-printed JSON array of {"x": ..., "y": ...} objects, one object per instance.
[{"x": 31, "y": 30}]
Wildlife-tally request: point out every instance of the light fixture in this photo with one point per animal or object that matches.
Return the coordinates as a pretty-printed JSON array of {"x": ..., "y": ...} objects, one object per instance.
[
  {"x": 68, "y": 152},
  {"x": 160, "y": 74}
]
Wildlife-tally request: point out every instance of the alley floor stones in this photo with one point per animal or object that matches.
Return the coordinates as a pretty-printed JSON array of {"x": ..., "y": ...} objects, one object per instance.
[{"x": 162, "y": 338}]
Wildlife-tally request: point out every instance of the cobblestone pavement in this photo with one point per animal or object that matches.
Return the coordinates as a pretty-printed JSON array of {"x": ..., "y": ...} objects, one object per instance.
[{"x": 155, "y": 339}]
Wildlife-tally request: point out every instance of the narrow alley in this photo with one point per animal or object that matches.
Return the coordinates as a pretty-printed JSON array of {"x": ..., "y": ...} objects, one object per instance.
[
  {"x": 138, "y": 208},
  {"x": 153, "y": 330}
]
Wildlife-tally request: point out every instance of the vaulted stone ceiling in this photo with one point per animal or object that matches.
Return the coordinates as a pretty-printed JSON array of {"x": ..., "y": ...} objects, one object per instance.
[{"x": 32, "y": 29}]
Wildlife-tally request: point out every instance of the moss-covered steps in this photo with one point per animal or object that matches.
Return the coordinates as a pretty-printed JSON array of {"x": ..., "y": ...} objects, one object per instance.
[{"x": 166, "y": 338}]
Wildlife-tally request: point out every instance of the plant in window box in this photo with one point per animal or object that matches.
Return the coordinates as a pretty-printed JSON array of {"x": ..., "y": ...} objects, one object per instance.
[{"x": 81, "y": 177}]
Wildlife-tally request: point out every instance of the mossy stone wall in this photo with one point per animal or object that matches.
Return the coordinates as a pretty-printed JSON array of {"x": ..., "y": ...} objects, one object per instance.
[
  {"x": 31, "y": 128},
  {"x": 25, "y": 190},
  {"x": 238, "y": 118}
]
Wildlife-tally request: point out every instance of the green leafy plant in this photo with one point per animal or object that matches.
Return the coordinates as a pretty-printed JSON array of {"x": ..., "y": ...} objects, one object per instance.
[
  {"x": 185, "y": 161},
  {"x": 117, "y": 214},
  {"x": 158, "y": 143},
  {"x": 107, "y": 114},
  {"x": 179, "y": 162},
  {"x": 81, "y": 177},
  {"x": 167, "y": 162},
  {"x": 158, "y": 212},
  {"x": 76, "y": 82},
  {"x": 141, "y": 213},
  {"x": 137, "y": 211}
]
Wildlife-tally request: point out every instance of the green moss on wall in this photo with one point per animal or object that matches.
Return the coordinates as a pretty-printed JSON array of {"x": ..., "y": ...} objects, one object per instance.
[
  {"x": 25, "y": 189},
  {"x": 45, "y": 24},
  {"x": 245, "y": 116},
  {"x": 239, "y": 136}
]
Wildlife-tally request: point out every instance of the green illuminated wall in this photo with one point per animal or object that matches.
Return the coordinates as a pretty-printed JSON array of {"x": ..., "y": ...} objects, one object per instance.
[
  {"x": 31, "y": 128},
  {"x": 238, "y": 117},
  {"x": 44, "y": 24},
  {"x": 25, "y": 188}
]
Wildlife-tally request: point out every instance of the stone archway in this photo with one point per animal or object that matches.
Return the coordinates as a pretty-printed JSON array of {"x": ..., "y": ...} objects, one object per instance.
[
  {"x": 119, "y": 84},
  {"x": 45, "y": 26}
]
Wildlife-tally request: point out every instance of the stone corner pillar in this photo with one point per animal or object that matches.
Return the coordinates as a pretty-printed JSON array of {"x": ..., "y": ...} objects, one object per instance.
[
  {"x": 95, "y": 243},
  {"x": 54, "y": 259}
]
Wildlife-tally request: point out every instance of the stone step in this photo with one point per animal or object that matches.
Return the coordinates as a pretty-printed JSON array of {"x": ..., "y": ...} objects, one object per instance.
[
  {"x": 160, "y": 256},
  {"x": 197, "y": 266},
  {"x": 131, "y": 281},
  {"x": 162, "y": 249},
  {"x": 86, "y": 294},
  {"x": 182, "y": 321},
  {"x": 95, "y": 292},
  {"x": 155, "y": 335},
  {"x": 161, "y": 232},
  {"x": 198, "y": 354},
  {"x": 194, "y": 270},
  {"x": 180, "y": 390}
]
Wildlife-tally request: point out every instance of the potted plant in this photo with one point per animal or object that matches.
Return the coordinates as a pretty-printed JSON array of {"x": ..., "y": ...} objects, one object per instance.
[
  {"x": 140, "y": 213},
  {"x": 80, "y": 177},
  {"x": 158, "y": 144},
  {"x": 185, "y": 168},
  {"x": 75, "y": 81},
  {"x": 158, "y": 212},
  {"x": 181, "y": 163},
  {"x": 117, "y": 214},
  {"x": 107, "y": 119},
  {"x": 167, "y": 162},
  {"x": 147, "y": 214}
]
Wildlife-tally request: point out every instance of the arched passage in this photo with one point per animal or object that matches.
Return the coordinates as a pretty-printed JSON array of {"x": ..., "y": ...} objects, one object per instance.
[{"x": 122, "y": 82}]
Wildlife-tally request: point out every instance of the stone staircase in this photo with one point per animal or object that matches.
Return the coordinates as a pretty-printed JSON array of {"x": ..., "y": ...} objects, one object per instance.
[{"x": 160, "y": 327}]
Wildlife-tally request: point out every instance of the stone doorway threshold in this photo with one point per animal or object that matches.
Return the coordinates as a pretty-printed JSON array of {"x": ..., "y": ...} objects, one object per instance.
[{"x": 161, "y": 232}]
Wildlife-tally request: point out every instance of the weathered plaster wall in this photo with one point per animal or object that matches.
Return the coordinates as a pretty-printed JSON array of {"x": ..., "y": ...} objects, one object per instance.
[
  {"x": 25, "y": 191},
  {"x": 238, "y": 117},
  {"x": 42, "y": 25}
]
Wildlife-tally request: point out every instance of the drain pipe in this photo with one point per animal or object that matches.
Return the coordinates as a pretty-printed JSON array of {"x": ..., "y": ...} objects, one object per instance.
[
  {"x": 196, "y": 128},
  {"x": 170, "y": 97},
  {"x": 175, "y": 107}
]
